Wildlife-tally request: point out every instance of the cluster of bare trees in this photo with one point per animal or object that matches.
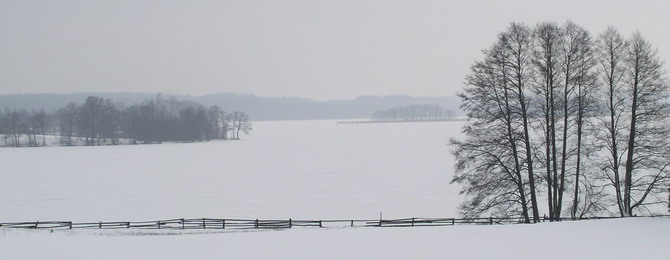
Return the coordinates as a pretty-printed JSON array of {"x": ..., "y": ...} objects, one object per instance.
[
  {"x": 562, "y": 122},
  {"x": 100, "y": 121},
  {"x": 15, "y": 124},
  {"x": 413, "y": 113}
]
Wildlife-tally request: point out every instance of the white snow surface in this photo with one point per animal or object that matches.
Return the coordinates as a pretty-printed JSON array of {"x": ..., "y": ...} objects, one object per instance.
[
  {"x": 633, "y": 238},
  {"x": 285, "y": 169}
]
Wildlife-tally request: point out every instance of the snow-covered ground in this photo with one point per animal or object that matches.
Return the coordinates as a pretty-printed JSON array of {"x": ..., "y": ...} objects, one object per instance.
[
  {"x": 285, "y": 169},
  {"x": 289, "y": 169},
  {"x": 636, "y": 238}
]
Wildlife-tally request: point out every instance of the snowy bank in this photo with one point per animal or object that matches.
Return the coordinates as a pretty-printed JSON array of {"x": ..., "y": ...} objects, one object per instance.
[{"x": 633, "y": 238}]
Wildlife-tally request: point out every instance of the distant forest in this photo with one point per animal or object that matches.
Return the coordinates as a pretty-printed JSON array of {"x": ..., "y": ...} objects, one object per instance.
[
  {"x": 413, "y": 113},
  {"x": 99, "y": 121},
  {"x": 261, "y": 108}
]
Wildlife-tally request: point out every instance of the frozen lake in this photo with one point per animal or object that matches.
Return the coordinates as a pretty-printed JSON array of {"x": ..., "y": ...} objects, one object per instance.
[
  {"x": 298, "y": 169},
  {"x": 285, "y": 169}
]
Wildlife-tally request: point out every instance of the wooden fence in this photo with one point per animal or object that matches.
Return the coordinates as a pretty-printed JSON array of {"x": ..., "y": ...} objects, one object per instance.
[{"x": 213, "y": 223}]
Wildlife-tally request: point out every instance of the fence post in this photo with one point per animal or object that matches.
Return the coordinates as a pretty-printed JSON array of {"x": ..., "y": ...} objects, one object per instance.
[
  {"x": 204, "y": 225},
  {"x": 320, "y": 225},
  {"x": 412, "y": 221},
  {"x": 223, "y": 223},
  {"x": 128, "y": 224},
  {"x": 491, "y": 220},
  {"x": 183, "y": 226},
  {"x": 100, "y": 225},
  {"x": 256, "y": 224},
  {"x": 159, "y": 224},
  {"x": 70, "y": 224},
  {"x": 453, "y": 221},
  {"x": 290, "y": 223}
]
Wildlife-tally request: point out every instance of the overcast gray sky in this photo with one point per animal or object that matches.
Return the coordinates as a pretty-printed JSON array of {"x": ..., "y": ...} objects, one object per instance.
[{"x": 316, "y": 49}]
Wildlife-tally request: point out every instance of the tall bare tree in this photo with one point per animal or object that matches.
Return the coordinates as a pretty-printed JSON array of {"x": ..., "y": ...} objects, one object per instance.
[
  {"x": 611, "y": 53},
  {"x": 67, "y": 118},
  {"x": 648, "y": 148},
  {"x": 213, "y": 113},
  {"x": 518, "y": 42},
  {"x": 240, "y": 122},
  {"x": 546, "y": 58},
  {"x": 491, "y": 161},
  {"x": 38, "y": 125},
  {"x": 586, "y": 198},
  {"x": 16, "y": 124},
  {"x": 89, "y": 119},
  {"x": 595, "y": 109}
]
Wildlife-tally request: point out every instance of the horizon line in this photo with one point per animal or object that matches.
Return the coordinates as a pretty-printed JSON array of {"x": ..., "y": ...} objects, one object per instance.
[{"x": 223, "y": 93}]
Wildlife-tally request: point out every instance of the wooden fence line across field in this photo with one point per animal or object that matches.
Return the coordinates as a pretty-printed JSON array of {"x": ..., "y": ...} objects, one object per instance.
[{"x": 214, "y": 223}]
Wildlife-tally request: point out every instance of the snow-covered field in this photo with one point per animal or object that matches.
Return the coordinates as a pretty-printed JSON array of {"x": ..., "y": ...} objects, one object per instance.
[
  {"x": 289, "y": 169},
  {"x": 285, "y": 169},
  {"x": 637, "y": 238}
]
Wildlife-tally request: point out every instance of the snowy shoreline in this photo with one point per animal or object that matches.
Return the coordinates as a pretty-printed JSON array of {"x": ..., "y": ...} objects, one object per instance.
[{"x": 629, "y": 238}]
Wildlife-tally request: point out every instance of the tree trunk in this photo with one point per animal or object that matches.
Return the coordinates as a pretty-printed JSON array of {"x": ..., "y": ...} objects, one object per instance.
[
  {"x": 564, "y": 155},
  {"x": 529, "y": 157},
  {"x": 628, "y": 178},
  {"x": 515, "y": 153},
  {"x": 580, "y": 113}
]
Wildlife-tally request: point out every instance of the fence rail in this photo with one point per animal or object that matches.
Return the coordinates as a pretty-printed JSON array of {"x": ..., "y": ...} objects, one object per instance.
[{"x": 214, "y": 223}]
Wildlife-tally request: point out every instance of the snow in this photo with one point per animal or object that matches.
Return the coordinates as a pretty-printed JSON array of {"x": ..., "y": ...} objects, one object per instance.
[
  {"x": 53, "y": 141},
  {"x": 285, "y": 169},
  {"x": 635, "y": 238}
]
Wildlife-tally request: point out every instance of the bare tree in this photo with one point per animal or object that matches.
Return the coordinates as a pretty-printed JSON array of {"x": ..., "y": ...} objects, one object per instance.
[
  {"x": 489, "y": 161},
  {"x": 611, "y": 51},
  {"x": 573, "y": 43},
  {"x": 216, "y": 115},
  {"x": 4, "y": 128},
  {"x": 16, "y": 124},
  {"x": 648, "y": 148},
  {"x": 587, "y": 197},
  {"x": 38, "y": 125},
  {"x": 194, "y": 124},
  {"x": 109, "y": 125},
  {"x": 594, "y": 109},
  {"x": 547, "y": 63},
  {"x": 89, "y": 119},
  {"x": 226, "y": 124},
  {"x": 67, "y": 118},
  {"x": 518, "y": 43},
  {"x": 240, "y": 122},
  {"x": 144, "y": 123}
]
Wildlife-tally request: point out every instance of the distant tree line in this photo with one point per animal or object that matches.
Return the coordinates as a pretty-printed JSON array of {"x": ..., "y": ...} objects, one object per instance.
[
  {"x": 100, "y": 121},
  {"x": 566, "y": 123},
  {"x": 413, "y": 113}
]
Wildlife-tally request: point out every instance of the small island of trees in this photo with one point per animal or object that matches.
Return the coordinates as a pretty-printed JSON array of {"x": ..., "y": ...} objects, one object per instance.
[
  {"x": 99, "y": 121},
  {"x": 413, "y": 113}
]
